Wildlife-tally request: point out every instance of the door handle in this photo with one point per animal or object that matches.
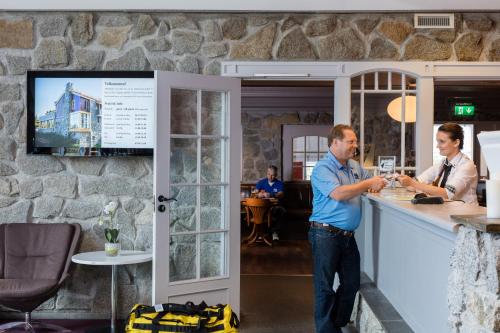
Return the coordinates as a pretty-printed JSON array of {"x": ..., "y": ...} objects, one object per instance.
[{"x": 161, "y": 198}]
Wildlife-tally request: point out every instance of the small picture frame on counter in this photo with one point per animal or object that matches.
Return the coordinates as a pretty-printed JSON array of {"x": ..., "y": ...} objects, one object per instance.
[{"x": 387, "y": 168}]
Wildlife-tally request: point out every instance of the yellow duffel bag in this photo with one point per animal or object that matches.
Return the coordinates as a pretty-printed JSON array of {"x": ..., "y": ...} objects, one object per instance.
[{"x": 188, "y": 318}]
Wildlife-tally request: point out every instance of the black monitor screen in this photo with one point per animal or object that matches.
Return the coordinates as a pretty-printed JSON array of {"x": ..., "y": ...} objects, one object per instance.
[{"x": 97, "y": 113}]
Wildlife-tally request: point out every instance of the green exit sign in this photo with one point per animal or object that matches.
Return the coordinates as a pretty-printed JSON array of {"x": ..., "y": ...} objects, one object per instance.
[{"x": 464, "y": 109}]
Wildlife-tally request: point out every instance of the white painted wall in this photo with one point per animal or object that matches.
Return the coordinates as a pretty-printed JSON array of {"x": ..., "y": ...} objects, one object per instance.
[{"x": 255, "y": 5}]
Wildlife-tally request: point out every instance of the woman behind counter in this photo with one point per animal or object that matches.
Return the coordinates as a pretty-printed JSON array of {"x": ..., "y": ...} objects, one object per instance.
[{"x": 456, "y": 177}]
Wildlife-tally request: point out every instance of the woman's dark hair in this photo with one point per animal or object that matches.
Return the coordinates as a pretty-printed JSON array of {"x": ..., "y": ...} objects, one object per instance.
[{"x": 454, "y": 131}]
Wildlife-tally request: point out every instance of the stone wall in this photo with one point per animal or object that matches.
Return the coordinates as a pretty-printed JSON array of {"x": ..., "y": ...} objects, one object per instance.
[
  {"x": 474, "y": 289},
  {"x": 262, "y": 138},
  {"x": 50, "y": 189}
]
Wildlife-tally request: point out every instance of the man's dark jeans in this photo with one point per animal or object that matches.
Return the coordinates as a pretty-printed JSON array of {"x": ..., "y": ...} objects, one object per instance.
[
  {"x": 277, "y": 214},
  {"x": 333, "y": 254}
]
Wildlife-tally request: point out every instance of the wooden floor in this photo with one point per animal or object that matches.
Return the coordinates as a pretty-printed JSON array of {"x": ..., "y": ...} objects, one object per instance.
[{"x": 286, "y": 257}]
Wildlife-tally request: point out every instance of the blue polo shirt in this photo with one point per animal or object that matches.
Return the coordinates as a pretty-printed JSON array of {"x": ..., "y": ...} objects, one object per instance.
[
  {"x": 263, "y": 184},
  {"x": 327, "y": 175}
]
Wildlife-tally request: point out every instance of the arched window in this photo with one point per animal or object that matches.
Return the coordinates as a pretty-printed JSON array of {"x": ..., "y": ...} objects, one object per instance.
[
  {"x": 307, "y": 151},
  {"x": 303, "y": 147},
  {"x": 383, "y": 112}
]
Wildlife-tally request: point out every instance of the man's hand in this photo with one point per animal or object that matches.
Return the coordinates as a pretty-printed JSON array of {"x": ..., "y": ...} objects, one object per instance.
[
  {"x": 376, "y": 183},
  {"x": 405, "y": 181},
  {"x": 263, "y": 194}
]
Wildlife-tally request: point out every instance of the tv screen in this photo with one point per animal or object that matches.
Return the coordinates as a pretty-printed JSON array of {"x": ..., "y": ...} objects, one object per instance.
[{"x": 96, "y": 113}]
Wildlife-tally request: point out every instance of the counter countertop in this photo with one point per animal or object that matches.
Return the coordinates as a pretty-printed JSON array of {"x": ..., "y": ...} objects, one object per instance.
[{"x": 438, "y": 215}]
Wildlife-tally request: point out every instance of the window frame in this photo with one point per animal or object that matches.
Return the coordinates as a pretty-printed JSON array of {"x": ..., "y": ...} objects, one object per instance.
[{"x": 294, "y": 131}]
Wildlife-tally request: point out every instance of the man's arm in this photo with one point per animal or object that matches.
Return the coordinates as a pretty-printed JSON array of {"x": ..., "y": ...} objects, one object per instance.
[{"x": 346, "y": 192}]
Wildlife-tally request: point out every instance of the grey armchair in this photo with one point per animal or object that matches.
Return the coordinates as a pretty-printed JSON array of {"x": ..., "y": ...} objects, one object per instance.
[{"x": 34, "y": 262}]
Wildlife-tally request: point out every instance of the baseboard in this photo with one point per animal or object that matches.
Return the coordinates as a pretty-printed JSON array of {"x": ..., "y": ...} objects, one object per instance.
[{"x": 373, "y": 313}]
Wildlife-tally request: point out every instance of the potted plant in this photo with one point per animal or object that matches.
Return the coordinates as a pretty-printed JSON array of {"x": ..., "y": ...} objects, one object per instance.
[{"x": 111, "y": 229}]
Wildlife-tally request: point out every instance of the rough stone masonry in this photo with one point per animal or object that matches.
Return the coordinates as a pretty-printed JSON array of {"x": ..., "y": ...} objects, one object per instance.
[{"x": 50, "y": 189}]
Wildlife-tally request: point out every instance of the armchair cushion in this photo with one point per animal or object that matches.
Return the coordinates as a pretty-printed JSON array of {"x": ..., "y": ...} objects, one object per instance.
[
  {"x": 25, "y": 288},
  {"x": 36, "y": 251},
  {"x": 35, "y": 260}
]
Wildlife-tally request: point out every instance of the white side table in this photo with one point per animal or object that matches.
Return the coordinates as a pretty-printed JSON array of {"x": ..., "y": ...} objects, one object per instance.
[{"x": 99, "y": 258}]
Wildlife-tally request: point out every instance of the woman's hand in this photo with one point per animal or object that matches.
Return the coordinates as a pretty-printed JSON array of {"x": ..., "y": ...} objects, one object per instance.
[{"x": 405, "y": 181}]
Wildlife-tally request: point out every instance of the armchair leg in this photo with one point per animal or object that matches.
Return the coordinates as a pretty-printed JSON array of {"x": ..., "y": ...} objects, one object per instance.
[{"x": 29, "y": 326}]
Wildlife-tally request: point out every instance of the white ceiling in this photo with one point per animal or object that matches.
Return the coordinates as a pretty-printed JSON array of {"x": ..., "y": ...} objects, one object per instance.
[{"x": 256, "y": 5}]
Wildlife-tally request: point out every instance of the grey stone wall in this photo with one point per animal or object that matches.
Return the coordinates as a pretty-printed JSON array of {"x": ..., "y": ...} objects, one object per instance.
[
  {"x": 49, "y": 189},
  {"x": 262, "y": 138},
  {"x": 474, "y": 289}
]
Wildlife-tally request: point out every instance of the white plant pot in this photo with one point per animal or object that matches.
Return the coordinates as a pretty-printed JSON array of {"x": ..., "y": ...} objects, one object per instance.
[{"x": 112, "y": 249}]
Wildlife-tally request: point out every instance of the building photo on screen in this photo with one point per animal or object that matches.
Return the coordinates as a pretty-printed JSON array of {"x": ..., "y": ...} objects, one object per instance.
[{"x": 91, "y": 116}]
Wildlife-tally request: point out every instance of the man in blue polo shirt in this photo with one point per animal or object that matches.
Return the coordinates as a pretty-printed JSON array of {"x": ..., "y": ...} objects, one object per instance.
[
  {"x": 271, "y": 187},
  {"x": 337, "y": 182}
]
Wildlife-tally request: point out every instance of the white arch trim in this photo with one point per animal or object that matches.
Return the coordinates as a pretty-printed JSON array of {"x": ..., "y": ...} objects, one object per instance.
[{"x": 341, "y": 72}]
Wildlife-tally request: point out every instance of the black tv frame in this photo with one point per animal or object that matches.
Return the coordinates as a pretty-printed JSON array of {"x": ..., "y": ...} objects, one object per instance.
[{"x": 30, "y": 105}]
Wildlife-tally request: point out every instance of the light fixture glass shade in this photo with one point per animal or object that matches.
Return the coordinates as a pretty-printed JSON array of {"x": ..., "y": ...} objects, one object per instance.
[{"x": 394, "y": 109}]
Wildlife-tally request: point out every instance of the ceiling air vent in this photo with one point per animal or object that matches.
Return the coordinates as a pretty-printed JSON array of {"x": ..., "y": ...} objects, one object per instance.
[{"x": 435, "y": 21}]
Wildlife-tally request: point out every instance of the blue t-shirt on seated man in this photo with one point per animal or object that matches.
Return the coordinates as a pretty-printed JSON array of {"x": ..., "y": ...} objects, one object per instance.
[{"x": 270, "y": 187}]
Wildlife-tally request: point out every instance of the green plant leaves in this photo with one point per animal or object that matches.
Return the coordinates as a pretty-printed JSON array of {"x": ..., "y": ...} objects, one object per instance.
[{"x": 111, "y": 235}]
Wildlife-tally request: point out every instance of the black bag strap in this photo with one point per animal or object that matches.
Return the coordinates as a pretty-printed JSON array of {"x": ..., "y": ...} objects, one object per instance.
[{"x": 189, "y": 309}]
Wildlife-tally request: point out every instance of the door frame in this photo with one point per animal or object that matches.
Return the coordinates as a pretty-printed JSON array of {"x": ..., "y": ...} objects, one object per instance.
[
  {"x": 341, "y": 73},
  {"x": 225, "y": 288}
]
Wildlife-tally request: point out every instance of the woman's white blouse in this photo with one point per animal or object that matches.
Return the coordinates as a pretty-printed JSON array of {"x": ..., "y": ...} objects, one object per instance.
[{"x": 462, "y": 180}]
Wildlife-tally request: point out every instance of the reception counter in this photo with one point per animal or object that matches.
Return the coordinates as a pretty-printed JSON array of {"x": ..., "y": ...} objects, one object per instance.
[{"x": 407, "y": 250}]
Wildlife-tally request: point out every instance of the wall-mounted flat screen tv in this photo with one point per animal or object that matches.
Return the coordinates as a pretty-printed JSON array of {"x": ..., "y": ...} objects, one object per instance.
[{"x": 90, "y": 113}]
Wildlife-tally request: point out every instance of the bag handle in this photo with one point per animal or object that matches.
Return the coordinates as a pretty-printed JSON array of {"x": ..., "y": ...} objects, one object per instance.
[{"x": 186, "y": 309}]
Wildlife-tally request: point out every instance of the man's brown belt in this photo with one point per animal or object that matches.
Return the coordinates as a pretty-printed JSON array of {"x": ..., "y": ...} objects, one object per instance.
[{"x": 332, "y": 229}]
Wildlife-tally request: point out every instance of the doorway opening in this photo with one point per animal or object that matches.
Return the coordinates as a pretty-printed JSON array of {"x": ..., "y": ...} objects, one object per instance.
[
  {"x": 284, "y": 123},
  {"x": 473, "y": 105}
]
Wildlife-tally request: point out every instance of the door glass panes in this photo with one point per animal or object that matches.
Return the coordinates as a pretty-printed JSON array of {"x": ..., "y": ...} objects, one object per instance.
[
  {"x": 211, "y": 208},
  {"x": 323, "y": 144},
  {"x": 298, "y": 164},
  {"x": 355, "y": 120},
  {"x": 307, "y": 150},
  {"x": 182, "y": 257},
  {"x": 182, "y": 211},
  {"x": 369, "y": 81},
  {"x": 311, "y": 143},
  {"x": 356, "y": 83},
  {"x": 211, "y": 160},
  {"x": 383, "y": 81},
  {"x": 382, "y": 133},
  {"x": 377, "y": 118},
  {"x": 183, "y": 164},
  {"x": 411, "y": 82},
  {"x": 299, "y": 143},
  {"x": 199, "y": 183},
  {"x": 183, "y": 111},
  {"x": 211, "y": 112},
  {"x": 396, "y": 81},
  {"x": 212, "y": 247},
  {"x": 410, "y": 133}
]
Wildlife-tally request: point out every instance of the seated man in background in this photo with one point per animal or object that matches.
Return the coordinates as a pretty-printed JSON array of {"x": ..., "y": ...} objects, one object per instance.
[{"x": 271, "y": 187}]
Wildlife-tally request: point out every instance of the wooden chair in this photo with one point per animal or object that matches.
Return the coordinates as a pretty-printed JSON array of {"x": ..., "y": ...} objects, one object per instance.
[{"x": 258, "y": 213}]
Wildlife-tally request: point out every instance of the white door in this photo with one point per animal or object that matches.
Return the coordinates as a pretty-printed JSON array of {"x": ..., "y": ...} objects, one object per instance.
[{"x": 196, "y": 237}]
